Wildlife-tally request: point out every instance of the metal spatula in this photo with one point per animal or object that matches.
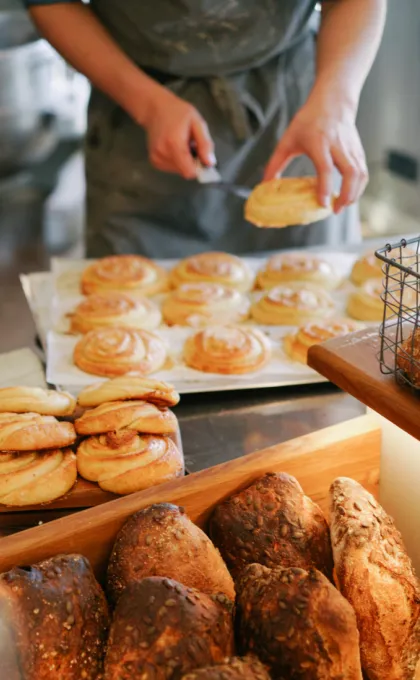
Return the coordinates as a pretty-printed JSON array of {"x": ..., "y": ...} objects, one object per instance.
[{"x": 212, "y": 177}]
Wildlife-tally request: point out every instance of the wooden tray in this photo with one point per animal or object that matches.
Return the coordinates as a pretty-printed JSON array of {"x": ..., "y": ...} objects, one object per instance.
[
  {"x": 83, "y": 495},
  {"x": 351, "y": 362},
  {"x": 350, "y": 449}
]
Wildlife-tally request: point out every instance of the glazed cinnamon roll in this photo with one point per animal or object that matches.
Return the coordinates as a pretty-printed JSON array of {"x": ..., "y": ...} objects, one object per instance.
[
  {"x": 292, "y": 306},
  {"x": 227, "y": 350},
  {"x": 32, "y": 432},
  {"x": 133, "y": 415},
  {"x": 129, "y": 387},
  {"x": 222, "y": 268},
  {"x": 36, "y": 400},
  {"x": 297, "y": 344},
  {"x": 124, "y": 274},
  {"x": 286, "y": 268},
  {"x": 116, "y": 351},
  {"x": 204, "y": 304},
  {"x": 32, "y": 478},
  {"x": 371, "y": 267},
  {"x": 284, "y": 202},
  {"x": 114, "y": 309},
  {"x": 124, "y": 462}
]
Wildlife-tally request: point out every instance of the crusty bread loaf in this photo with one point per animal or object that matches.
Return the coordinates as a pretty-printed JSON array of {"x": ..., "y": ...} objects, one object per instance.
[
  {"x": 134, "y": 415},
  {"x": 298, "y": 624},
  {"x": 58, "y": 619},
  {"x": 162, "y": 630},
  {"x": 273, "y": 523},
  {"x": 32, "y": 432},
  {"x": 249, "y": 668},
  {"x": 161, "y": 541},
  {"x": 376, "y": 576}
]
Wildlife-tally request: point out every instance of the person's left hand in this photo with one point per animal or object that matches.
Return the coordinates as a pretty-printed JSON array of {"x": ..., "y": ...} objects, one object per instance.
[{"x": 329, "y": 139}]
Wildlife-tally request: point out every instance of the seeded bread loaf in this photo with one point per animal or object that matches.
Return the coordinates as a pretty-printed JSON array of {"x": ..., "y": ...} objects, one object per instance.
[
  {"x": 161, "y": 541},
  {"x": 272, "y": 523},
  {"x": 298, "y": 624},
  {"x": 376, "y": 576},
  {"x": 57, "y": 617},
  {"x": 162, "y": 630},
  {"x": 249, "y": 668}
]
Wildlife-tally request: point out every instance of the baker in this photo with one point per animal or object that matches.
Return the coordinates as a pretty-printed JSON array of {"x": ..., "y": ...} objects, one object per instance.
[{"x": 251, "y": 83}]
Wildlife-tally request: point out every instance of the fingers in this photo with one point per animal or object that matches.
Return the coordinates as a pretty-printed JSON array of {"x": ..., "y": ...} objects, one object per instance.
[
  {"x": 203, "y": 142},
  {"x": 283, "y": 154},
  {"x": 321, "y": 158},
  {"x": 352, "y": 167}
]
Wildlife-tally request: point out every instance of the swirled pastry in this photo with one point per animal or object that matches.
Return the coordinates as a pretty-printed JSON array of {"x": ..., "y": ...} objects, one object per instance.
[
  {"x": 285, "y": 202},
  {"x": 292, "y": 306},
  {"x": 229, "y": 270},
  {"x": 371, "y": 267},
  {"x": 36, "y": 400},
  {"x": 227, "y": 350},
  {"x": 133, "y": 415},
  {"x": 32, "y": 432},
  {"x": 114, "y": 309},
  {"x": 297, "y": 344},
  {"x": 292, "y": 267},
  {"x": 32, "y": 478},
  {"x": 124, "y": 274},
  {"x": 204, "y": 304},
  {"x": 129, "y": 387},
  {"x": 367, "y": 302},
  {"x": 116, "y": 351},
  {"x": 124, "y": 462}
]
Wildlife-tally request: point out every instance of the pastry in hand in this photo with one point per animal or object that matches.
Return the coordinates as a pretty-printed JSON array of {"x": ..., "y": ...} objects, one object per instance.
[
  {"x": 132, "y": 274},
  {"x": 129, "y": 387},
  {"x": 227, "y": 350},
  {"x": 297, "y": 345},
  {"x": 161, "y": 541},
  {"x": 57, "y": 618},
  {"x": 298, "y": 624},
  {"x": 371, "y": 267},
  {"x": 204, "y": 304},
  {"x": 163, "y": 630},
  {"x": 408, "y": 357},
  {"x": 296, "y": 267},
  {"x": 117, "y": 351},
  {"x": 124, "y": 462},
  {"x": 228, "y": 270},
  {"x": 273, "y": 523},
  {"x": 292, "y": 306},
  {"x": 285, "y": 202},
  {"x": 36, "y": 400},
  {"x": 32, "y": 478},
  {"x": 32, "y": 432},
  {"x": 248, "y": 668},
  {"x": 376, "y": 576},
  {"x": 114, "y": 309},
  {"x": 132, "y": 415}
]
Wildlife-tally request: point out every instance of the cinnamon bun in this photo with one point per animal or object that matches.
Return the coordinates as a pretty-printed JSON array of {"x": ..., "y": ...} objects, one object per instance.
[
  {"x": 204, "y": 304},
  {"x": 124, "y": 462},
  {"x": 36, "y": 400},
  {"x": 129, "y": 387},
  {"x": 228, "y": 270},
  {"x": 124, "y": 274},
  {"x": 297, "y": 344},
  {"x": 292, "y": 306},
  {"x": 285, "y": 268},
  {"x": 32, "y": 432},
  {"x": 371, "y": 267},
  {"x": 227, "y": 350},
  {"x": 133, "y": 415},
  {"x": 114, "y": 309},
  {"x": 116, "y": 351}
]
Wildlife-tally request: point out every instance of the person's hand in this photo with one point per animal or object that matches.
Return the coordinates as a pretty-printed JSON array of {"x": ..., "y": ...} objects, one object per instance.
[
  {"x": 329, "y": 139},
  {"x": 173, "y": 128}
]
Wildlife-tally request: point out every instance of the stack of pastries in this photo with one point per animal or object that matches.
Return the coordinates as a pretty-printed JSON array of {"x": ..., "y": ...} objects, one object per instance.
[
  {"x": 276, "y": 593},
  {"x": 37, "y": 464}
]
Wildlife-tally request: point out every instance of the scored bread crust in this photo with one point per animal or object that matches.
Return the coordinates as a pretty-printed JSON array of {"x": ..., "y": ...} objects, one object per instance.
[
  {"x": 376, "y": 576},
  {"x": 248, "y": 668},
  {"x": 133, "y": 415},
  {"x": 32, "y": 432}
]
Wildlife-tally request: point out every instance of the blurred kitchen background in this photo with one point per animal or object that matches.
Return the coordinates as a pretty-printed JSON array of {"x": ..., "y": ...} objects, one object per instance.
[{"x": 42, "y": 123}]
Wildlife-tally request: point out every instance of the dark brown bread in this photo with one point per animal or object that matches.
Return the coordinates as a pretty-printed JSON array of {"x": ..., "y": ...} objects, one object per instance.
[
  {"x": 249, "y": 668},
  {"x": 375, "y": 574},
  {"x": 298, "y": 624},
  {"x": 57, "y": 615},
  {"x": 162, "y": 630},
  {"x": 161, "y": 541},
  {"x": 272, "y": 523}
]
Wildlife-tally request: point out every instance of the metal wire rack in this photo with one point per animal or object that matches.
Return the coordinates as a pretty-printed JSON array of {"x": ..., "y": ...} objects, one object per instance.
[{"x": 400, "y": 327}]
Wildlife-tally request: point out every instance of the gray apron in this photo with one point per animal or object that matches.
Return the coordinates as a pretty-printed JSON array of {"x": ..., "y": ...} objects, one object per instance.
[{"x": 247, "y": 66}]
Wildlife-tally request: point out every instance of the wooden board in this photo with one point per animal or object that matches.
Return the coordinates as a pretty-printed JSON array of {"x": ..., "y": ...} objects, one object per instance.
[
  {"x": 84, "y": 494},
  {"x": 350, "y": 449},
  {"x": 351, "y": 362}
]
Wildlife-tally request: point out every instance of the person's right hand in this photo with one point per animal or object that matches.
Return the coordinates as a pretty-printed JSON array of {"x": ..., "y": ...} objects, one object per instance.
[{"x": 173, "y": 127}]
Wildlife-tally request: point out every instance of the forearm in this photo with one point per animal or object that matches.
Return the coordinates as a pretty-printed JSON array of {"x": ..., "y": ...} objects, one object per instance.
[
  {"x": 348, "y": 41},
  {"x": 84, "y": 43}
]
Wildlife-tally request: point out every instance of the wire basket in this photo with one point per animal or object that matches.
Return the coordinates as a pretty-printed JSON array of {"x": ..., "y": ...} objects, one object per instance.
[{"x": 400, "y": 327}]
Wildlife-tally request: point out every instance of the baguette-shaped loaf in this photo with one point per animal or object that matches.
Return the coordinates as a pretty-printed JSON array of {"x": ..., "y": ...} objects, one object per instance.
[
  {"x": 376, "y": 576},
  {"x": 161, "y": 541}
]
